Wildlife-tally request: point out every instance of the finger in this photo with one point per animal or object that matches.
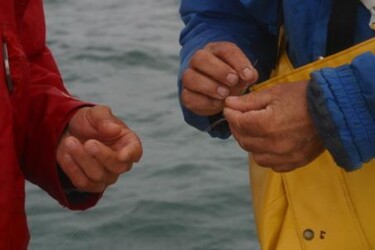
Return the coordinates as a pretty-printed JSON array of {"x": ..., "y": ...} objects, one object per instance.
[
  {"x": 76, "y": 175},
  {"x": 250, "y": 144},
  {"x": 261, "y": 145},
  {"x": 108, "y": 158},
  {"x": 251, "y": 123},
  {"x": 207, "y": 63},
  {"x": 279, "y": 163},
  {"x": 102, "y": 119},
  {"x": 288, "y": 162},
  {"x": 129, "y": 139},
  {"x": 196, "y": 82},
  {"x": 233, "y": 55},
  {"x": 235, "y": 119},
  {"x": 252, "y": 101},
  {"x": 131, "y": 153},
  {"x": 132, "y": 147},
  {"x": 200, "y": 104},
  {"x": 278, "y": 145},
  {"x": 89, "y": 166}
]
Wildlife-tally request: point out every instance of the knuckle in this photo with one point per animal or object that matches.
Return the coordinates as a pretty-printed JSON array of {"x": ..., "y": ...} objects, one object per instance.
[
  {"x": 113, "y": 179},
  {"x": 187, "y": 77},
  {"x": 225, "y": 48},
  {"x": 128, "y": 168},
  {"x": 266, "y": 131},
  {"x": 107, "y": 108},
  {"x": 139, "y": 153},
  {"x": 213, "y": 108},
  {"x": 227, "y": 51},
  {"x": 198, "y": 56},
  {"x": 241, "y": 143},
  {"x": 289, "y": 147},
  {"x": 117, "y": 171},
  {"x": 228, "y": 45},
  {"x": 103, "y": 108},
  {"x": 247, "y": 146},
  {"x": 99, "y": 188},
  {"x": 241, "y": 126},
  {"x": 283, "y": 168},
  {"x": 212, "y": 45},
  {"x": 228, "y": 48},
  {"x": 97, "y": 176},
  {"x": 186, "y": 100},
  {"x": 123, "y": 168},
  {"x": 279, "y": 148},
  {"x": 107, "y": 158},
  {"x": 300, "y": 159},
  {"x": 216, "y": 105},
  {"x": 133, "y": 155},
  {"x": 81, "y": 184},
  {"x": 260, "y": 160}
]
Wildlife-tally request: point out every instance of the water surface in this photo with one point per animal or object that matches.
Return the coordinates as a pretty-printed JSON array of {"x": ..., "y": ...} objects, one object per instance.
[{"x": 189, "y": 192}]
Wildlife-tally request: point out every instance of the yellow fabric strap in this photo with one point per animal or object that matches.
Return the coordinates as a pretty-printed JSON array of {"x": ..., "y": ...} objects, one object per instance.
[
  {"x": 319, "y": 206},
  {"x": 286, "y": 73}
]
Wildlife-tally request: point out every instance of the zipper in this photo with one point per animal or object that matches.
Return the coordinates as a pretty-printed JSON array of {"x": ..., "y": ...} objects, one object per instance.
[{"x": 8, "y": 77}]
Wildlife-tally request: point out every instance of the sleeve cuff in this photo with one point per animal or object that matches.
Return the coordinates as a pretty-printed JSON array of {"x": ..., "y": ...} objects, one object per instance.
[
  {"x": 75, "y": 198},
  {"x": 41, "y": 166},
  {"x": 341, "y": 116}
]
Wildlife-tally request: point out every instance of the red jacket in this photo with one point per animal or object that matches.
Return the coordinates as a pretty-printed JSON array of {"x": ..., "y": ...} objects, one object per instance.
[{"x": 32, "y": 117}]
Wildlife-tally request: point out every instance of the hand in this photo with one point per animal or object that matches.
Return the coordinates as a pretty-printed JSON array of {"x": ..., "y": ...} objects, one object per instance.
[
  {"x": 274, "y": 124},
  {"x": 218, "y": 70},
  {"x": 96, "y": 148}
]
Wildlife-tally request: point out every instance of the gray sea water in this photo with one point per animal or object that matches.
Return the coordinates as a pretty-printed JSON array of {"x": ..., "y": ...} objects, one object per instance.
[{"x": 189, "y": 192}]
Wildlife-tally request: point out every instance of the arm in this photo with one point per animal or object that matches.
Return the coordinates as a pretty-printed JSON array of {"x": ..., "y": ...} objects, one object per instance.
[
  {"x": 227, "y": 21},
  {"x": 49, "y": 109},
  {"x": 76, "y": 151},
  {"x": 67, "y": 147},
  {"x": 342, "y": 104}
]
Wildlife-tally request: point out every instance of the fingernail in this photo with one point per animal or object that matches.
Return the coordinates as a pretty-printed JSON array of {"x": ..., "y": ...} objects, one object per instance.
[
  {"x": 232, "y": 79},
  {"x": 110, "y": 125},
  {"x": 70, "y": 143},
  {"x": 92, "y": 148},
  {"x": 248, "y": 74},
  {"x": 232, "y": 98},
  {"x": 223, "y": 92}
]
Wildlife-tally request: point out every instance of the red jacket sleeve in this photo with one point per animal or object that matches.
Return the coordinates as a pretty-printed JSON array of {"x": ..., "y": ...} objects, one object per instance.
[{"x": 48, "y": 110}]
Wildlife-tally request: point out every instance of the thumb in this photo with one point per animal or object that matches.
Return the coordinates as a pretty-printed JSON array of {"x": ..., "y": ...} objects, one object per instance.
[
  {"x": 95, "y": 123},
  {"x": 252, "y": 101},
  {"x": 104, "y": 122}
]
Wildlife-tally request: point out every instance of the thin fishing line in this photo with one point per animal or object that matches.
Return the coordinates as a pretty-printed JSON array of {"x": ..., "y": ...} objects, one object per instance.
[
  {"x": 223, "y": 119},
  {"x": 208, "y": 129}
]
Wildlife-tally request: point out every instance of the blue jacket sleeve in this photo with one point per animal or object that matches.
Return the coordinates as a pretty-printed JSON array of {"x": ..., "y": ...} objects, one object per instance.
[
  {"x": 342, "y": 104},
  {"x": 233, "y": 21}
]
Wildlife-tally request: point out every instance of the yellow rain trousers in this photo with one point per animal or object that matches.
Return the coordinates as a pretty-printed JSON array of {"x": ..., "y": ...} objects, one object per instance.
[{"x": 319, "y": 206}]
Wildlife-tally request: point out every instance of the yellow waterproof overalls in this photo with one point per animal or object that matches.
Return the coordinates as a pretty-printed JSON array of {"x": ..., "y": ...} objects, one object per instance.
[{"x": 319, "y": 206}]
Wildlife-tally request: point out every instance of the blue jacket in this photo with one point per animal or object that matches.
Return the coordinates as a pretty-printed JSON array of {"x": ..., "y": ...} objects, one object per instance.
[{"x": 343, "y": 98}]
